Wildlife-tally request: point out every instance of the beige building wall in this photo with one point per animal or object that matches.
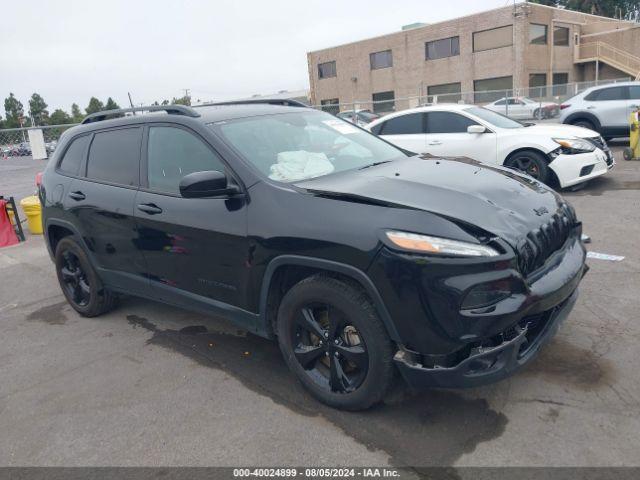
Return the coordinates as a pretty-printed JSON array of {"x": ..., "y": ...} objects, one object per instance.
[{"x": 412, "y": 74}]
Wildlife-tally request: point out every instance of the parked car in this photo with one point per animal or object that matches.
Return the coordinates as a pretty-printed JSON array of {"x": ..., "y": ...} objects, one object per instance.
[
  {"x": 360, "y": 258},
  {"x": 524, "y": 108},
  {"x": 23, "y": 149},
  {"x": 362, "y": 117},
  {"x": 560, "y": 155},
  {"x": 605, "y": 108},
  {"x": 51, "y": 146}
]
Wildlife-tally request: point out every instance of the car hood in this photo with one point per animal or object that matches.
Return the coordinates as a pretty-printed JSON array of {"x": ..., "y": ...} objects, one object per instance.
[
  {"x": 557, "y": 130},
  {"x": 496, "y": 199}
]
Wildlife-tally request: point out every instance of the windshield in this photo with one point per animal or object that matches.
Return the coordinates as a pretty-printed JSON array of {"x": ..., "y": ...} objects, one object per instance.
[
  {"x": 289, "y": 147},
  {"x": 494, "y": 118}
]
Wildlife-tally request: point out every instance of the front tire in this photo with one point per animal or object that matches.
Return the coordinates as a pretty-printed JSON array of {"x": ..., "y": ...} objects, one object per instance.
[
  {"x": 530, "y": 162},
  {"x": 79, "y": 281},
  {"x": 334, "y": 342}
]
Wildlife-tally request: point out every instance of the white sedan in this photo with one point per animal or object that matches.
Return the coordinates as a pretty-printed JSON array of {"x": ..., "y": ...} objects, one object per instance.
[
  {"x": 559, "y": 155},
  {"x": 524, "y": 108}
]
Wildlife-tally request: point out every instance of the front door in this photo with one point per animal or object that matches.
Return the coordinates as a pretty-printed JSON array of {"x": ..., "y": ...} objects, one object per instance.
[
  {"x": 447, "y": 136},
  {"x": 196, "y": 249},
  {"x": 101, "y": 201},
  {"x": 406, "y": 131}
]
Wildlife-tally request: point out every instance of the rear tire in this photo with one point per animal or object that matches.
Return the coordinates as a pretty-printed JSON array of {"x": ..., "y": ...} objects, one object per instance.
[
  {"x": 585, "y": 124},
  {"x": 334, "y": 342},
  {"x": 532, "y": 163},
  {"x": 627, "y": 153},
  {"x": 79, "y": 281}
]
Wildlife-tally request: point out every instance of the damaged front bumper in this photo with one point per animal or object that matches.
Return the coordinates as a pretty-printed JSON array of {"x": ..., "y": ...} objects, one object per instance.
[{"x": 519, "y": 345}]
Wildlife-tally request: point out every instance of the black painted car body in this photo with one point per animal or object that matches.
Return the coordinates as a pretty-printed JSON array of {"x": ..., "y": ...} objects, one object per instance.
[{"x": 235, "y": 255}]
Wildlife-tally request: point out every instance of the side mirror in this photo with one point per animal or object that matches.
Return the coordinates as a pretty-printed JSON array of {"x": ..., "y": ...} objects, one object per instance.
[
  {"x": 476, "y": 129},
  {"x": 210, "y": 183}
]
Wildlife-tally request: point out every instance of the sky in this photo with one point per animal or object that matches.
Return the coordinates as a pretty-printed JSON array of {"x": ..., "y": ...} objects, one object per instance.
[{"x": 68, "y": 50}]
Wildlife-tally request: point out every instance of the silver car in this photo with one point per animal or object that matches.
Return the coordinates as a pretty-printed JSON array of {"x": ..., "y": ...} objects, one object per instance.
[{"x": 604, "y": 108}]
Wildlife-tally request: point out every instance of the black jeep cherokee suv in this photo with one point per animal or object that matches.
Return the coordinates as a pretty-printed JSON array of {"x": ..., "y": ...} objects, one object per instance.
[{"x": 360, "y": 258}]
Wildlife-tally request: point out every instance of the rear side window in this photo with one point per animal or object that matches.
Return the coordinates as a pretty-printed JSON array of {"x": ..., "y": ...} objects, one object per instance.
[
  {"x": 114, "y": 156},
  {"x": 174, "y": 153},
  {"x": 613, "y": 93},
  {"x": 446, "y": 122},
  {"x": 634, "y": 92},
  {"x": 409, "y": 124},
  {"x": 74, "y": 155}
]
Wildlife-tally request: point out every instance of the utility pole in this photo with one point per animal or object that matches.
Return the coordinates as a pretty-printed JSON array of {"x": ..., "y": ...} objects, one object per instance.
[
  {"x": 130, "y": 101},
  {"x": 186, "y": 95}
]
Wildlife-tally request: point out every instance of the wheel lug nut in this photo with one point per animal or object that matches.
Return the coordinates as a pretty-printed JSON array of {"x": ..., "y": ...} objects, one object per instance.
[
  {"x": 326, "y": 335},
  {"x": 335, "y": 341},
  {"x": 337, "y": 354}
]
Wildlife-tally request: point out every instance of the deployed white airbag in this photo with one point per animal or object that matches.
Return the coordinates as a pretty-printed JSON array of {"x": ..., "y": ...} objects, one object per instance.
[{"x": 299, "y": 165}]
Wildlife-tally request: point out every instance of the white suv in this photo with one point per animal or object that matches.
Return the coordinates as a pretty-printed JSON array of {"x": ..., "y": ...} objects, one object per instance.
[
  {"x": 570, "y": 154},
  {"x": 605, "y": 108}
]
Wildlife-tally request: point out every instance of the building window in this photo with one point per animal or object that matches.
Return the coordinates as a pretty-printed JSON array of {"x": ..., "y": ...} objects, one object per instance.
[
  {"x": 327, "y": 69},
  {"x": 446, "y": 93},
  {"x": 537, "y": 85},
  {"x": 331, "y": 105},
  {"x": 447, "y": 47},
  {"x": 561, "y": 36},
  {"x": 560, "y": 81},
  {"x": 494, "y": 38},
  {"x": 381, "y": 60},
  {"x": 537, "y": 34},
  {"x": 383, "y": 102},
  {"x": 491, "y": 89}
]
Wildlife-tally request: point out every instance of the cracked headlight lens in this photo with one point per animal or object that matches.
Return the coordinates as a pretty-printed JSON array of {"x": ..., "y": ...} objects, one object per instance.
[{"x": 415, "y": 242}]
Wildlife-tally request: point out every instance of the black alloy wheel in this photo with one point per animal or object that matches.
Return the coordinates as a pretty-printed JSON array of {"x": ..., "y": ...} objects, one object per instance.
[
  {"x": 530, "y": 162},
  {"x": 329, "y": 349},
  {"x": 74, "y": 278}
]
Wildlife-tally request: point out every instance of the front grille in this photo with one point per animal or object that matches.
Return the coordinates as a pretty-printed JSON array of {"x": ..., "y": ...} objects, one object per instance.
[
  {"x": 540, "y": 243},
  {"x": 600, "y": 143}
]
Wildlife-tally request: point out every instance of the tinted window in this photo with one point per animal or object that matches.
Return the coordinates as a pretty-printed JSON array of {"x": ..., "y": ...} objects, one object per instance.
[
  {"x": 448, "y": 92},
  {"x": 381, "y": 60},
  {"x": 114, "y": 156},
  {"x": 494, "y": 38},
  {"x": 447, "y": 47},
  {"x": 404, "y": 125},
  {"x": 490, "y": 89},
  {"x": 561, "y": 36},
  {"x": 606, "y": 94},
  {"x": 537, "y": 34},
  {"x": 327, "y": 69},
  {"x": 383, "y": 102},
  {"x": 74, "y": 155},
  {"x": 174, "y": 153},
  {"x": 446, "y": 122},
  {"x": 634, "y": 92}
]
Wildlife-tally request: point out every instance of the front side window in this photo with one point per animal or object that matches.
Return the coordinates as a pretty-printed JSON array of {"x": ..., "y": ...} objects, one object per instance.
[
  {"x": 327, "y": 69},
  {"x": 561, "y": 36},
  {"x": 446, "y": 47},
  {"x": 381, "y": 60},
  {"x": 447, "y": 122},
  {"x": 173, "y": 153},
  {"x": 74, "y": 155},
  {"x": 494, "y": 38},
  {"x": 383, "y": 102},
  {"x": 634, "y": 92},
  {"x": 537, "y": 34},
  {"x": 409, "y": 124},
  {"x": 114, "y": 156},
  {"x": 290, "y": 147}
]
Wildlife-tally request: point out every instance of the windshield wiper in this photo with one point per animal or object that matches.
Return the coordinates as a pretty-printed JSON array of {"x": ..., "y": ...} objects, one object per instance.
[{"x": 374, "y": 164}]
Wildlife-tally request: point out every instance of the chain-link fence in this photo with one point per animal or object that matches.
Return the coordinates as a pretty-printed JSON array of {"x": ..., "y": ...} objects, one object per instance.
[
  {"x": 534, "y": 103},
  {"x": 14, "y": 142}
]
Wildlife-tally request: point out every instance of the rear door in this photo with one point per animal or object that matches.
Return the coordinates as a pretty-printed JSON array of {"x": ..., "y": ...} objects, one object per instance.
[
  {"x": 100, "y": 201},
  {"x": 611, "y": 106},
  {"x": 196, "y": 248},
  {"x": 447, "y": 136},
  {"x": 406, "y": 131}
]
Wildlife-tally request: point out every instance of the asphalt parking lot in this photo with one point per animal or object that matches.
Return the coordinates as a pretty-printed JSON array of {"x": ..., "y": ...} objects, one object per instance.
[{"x": 151, "y": 385}]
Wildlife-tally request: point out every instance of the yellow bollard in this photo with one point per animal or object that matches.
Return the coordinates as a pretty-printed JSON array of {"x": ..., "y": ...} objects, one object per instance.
[
  {"x": 33, "y": 211},
  {"x": 633, "y": 151}
]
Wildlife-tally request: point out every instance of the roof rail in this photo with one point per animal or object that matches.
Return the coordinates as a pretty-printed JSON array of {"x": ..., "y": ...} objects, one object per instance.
[
  {"x": 287, "y": 102},
  {"x": 170, "y": 109}
]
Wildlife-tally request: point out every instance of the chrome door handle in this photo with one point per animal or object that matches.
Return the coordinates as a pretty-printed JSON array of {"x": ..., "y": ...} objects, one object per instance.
[
  {"x": 77, "y": 195},
  {"x": 150, "y": 208}
]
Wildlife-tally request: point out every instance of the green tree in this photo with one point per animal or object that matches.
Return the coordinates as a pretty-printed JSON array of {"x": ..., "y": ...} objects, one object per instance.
[
  {"x": 76, "y": 113},
  {"x": 13, "y": 109},
  {"x": 94, "y": 106},
  {"x": 1, "y": 122},
  {"x": 186, "y": 100},
  {"x": 60, "y": 117},
  {"x": 111, "y": 104},
  {"x": 627, "y": 9},
  {"x": 38, "y": 109},
  {"x": 165, "y": 102}
]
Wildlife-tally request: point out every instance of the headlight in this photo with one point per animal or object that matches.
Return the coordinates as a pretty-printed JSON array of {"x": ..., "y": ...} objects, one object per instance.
[
  {"x": 575, "y": 145},
  {"x": 425, "y": 244}
]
